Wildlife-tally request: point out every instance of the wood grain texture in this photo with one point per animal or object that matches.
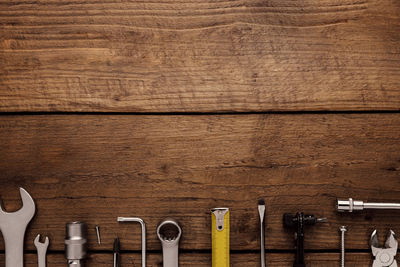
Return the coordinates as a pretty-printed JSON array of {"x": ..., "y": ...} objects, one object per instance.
[
  {"x": 199, "y": 56},
  {"x": 203, "y": 260},
  {"x": 95, "y": 168}
]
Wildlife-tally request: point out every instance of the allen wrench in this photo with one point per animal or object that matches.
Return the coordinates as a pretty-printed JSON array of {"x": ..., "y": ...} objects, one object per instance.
[{"x": 143, "y": 225}]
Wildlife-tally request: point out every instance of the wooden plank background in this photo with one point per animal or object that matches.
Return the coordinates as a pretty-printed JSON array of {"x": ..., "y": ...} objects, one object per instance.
[
  {"x": 169, "y": 108},
  {"x": 276, "y": 260},
  {"x": 199, "y": 56}
]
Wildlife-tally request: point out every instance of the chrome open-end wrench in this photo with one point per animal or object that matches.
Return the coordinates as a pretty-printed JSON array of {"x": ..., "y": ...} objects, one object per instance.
[
  {"x": 169, "y": 232},
  {"x": 41, "y": 250},
  {"x": 13, "y": 226}
]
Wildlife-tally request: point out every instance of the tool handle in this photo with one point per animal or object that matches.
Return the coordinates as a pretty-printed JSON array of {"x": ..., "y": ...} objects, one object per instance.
[
  {"x": 392, "y": 206},
  {"x": 14, "y": 248},
  {"x": 42, "y": 258},
  {"x": 170, "y": 256},
  {"x": 262, "y": 245},
  {"x": 116, "y": 260},
  {"x": 350, "y": 205}
]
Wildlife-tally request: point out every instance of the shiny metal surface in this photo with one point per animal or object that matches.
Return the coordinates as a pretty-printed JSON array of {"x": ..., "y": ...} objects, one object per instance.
[
  {"x": 75, "y": 244},
  {"x": 384, "y": 257},
  {"x": 350, "y": 205},
  {"x": 13, "y": 226},
  {"x": 143, "y": 225},
  {"x": 41, "y": 250},
  {"x": 169, "y": 232}
]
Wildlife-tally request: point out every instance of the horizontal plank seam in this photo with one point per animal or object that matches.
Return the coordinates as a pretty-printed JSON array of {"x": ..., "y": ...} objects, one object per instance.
[
  {"x": 208, "y": 251},
  {"x": 202, "y": 113}
]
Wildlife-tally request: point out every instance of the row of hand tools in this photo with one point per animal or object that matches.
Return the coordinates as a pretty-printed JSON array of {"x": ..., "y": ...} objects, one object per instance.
[{"x": 13, "y": 227}]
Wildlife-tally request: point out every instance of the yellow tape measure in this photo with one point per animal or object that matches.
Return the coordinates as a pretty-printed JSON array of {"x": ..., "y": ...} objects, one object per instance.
[{"x": 220, "y": 237}]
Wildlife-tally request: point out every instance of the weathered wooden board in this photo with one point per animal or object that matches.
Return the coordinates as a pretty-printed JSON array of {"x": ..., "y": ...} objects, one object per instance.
[
  {"x": 202, "y": 260},
  {"x": 95, "y": 168},
  {"x": 199, "y": 56}
]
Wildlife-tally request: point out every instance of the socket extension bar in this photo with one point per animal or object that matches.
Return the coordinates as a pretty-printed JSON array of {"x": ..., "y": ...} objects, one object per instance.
[{"x": 351, "y": 205}]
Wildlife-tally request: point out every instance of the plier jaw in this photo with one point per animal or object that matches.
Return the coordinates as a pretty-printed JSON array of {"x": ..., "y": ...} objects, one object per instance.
[{"x": 384, "y": 257}]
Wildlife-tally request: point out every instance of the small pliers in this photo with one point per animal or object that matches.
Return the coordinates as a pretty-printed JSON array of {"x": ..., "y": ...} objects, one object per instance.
[{"x": 384, "y": 257}]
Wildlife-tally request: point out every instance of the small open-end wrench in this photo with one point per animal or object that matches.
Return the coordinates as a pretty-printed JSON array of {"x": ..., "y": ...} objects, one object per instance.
[
  {"x": 13, "y": 226},
  {"x": 41, "y": 250}
]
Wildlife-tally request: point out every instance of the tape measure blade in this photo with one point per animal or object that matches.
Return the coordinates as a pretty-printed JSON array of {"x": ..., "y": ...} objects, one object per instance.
[{"x": 220, "y": 240}]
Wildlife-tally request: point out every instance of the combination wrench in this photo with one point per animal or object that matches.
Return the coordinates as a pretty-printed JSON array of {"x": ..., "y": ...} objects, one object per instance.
[
  {"x": 169, "y": 232},
  {"x": 13, "y": 226},
  {"x": 41, "y": 250}
]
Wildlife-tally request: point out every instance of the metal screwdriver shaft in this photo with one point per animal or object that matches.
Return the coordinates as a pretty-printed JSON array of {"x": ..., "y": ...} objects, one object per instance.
[{"x": 261, "y": 212}]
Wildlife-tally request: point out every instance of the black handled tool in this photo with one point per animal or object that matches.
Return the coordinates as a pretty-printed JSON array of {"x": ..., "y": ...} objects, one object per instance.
[
  {"x": 298, "y": 222},
  {"x": 116, "y": 251}
]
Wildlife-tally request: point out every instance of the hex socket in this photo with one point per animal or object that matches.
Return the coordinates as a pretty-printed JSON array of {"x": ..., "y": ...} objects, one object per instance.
[{"x": 75, "y": 244}]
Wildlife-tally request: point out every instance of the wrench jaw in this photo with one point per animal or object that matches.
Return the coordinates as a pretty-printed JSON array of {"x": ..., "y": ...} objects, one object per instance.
[
  {"x": 28, "y": 205},
  {"x": 40, "y": 245},
  {"x": 27, "y": 211}
]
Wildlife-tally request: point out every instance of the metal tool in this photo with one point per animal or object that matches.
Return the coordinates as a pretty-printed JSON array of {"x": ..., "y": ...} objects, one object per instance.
[
  {"x": 261, "y": 212},
  {"x": 384, "y": 257},
  {"x": 351, "y": 205},
  {"x": 116, "y": 253},
  {"x": 169, "y": 232},
  {"x": 343, "y": 230},
  {"x": 41, "y": 250},
  {"x": 220, "y": 237},
  {"x": 75, "y": 244},
  {"x": 143, "y": 225},
  {"x": 298, "y": 222},
  {"x": 97, "y": 228},
  {"x": 13, "y": 226}
]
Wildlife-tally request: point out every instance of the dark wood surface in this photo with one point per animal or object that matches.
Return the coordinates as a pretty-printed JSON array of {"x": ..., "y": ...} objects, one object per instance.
[
  {"x": 203, "y": 260},
  {"x": 312, "y": 93},
  {"x": 95, "y": 168},
  {"x": 199, "y": 56}
]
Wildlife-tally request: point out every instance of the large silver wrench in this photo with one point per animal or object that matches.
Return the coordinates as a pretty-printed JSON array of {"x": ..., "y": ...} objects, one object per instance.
[
  {"x": 13, "y": 226},
  {"x": 41, "y": 250}
]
